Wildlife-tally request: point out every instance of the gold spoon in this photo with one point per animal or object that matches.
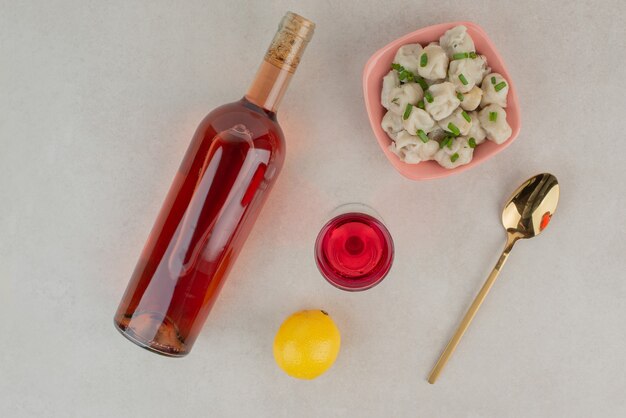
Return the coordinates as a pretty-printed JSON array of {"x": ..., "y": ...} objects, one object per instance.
[{"x": 526, "y": 214}]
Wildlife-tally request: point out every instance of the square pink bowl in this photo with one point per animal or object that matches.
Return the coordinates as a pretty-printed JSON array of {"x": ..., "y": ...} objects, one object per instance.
[{"x": 380, "y": 64}]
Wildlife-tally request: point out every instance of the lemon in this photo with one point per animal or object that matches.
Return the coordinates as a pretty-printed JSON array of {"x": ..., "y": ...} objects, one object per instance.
[{"x": 307, "y": 344}]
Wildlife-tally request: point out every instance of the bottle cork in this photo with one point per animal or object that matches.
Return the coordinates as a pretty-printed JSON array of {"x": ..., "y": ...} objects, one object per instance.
[{"x": 287, "y": 47}]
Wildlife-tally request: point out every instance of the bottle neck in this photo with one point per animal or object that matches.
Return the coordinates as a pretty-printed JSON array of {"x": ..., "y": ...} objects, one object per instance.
[
  {"x": 269, "y": 86},
  {"x": 281, "y": 61}
]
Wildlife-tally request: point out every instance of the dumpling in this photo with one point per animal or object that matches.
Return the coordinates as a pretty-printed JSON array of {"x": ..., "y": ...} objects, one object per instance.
[
  {"x": 437, "y": 134},
  {"x": 399, "y": 97},
  {"x": 467, "y": 72},
  {"x": 457, "y": 40},
  {"x": 408, "y": 56},
  {"x": 392, "y": 124},
  {"x": 459, "y": 122},
  {"x": 427, "y": 150},
  {"x": 476, "y": 131},
  {"x": 418, "y": 119},
  {"x": 441, "y": 100},
  {"x": 406, "y": 143},
  {"x": 457, "y": 153},
  {"x": 493, "y": 120},
  {"x": 405, "y": 139},
  {"x": 411, "y": 155},
  {"x": 390, "y": 81},
  {"x": 412, "y": 149},
  {"x": 495, "y": 90},
  {"x": 393, "y": 148},
  {"x": 435, "y": 63},
  {"x": 471, "y": 99}
]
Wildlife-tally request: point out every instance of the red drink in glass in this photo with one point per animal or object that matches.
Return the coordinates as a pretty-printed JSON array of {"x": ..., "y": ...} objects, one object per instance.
[{"x": 354, "y": 251}]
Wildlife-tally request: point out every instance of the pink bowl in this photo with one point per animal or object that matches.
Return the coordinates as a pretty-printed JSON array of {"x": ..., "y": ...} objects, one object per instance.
[{"x": 380, "y": 64}]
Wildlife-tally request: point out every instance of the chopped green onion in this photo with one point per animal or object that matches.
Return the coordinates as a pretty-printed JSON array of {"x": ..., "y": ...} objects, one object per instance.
[
  {"x": 499, "y": 86},
  {"x": 473, "y": 55},
  {"x": 466, "y": 116},
  {"x": 420, "y": 104},
  {"x": 422, "y": 135},
  {"x": 453, "y": 128},
  {"x": 493, "y": 116},
  {"x": 463, "y": 79},
  {"x": 428, "y": 96},
  {"x": 407, "y": 111},
  {"x": 424, "y": 60},
  {"x": 454, "y": 157},
  {"x": 493, "y": 80},
  {"x": 446, "y": 141},
  {"x": 460, "y": 55},
  {"x": 403, "y": 73},
  {"x": 459, "y": 96},
  {"x": 472, "y": 142},
  {"x": 394, "y": 100},
  {"x": 423, "y": 84}
]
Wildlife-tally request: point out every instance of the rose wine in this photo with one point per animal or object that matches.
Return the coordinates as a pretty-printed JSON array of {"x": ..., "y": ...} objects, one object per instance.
[
  {"x": 354, "y": 251},
  {"x": 230, "y": 166}
]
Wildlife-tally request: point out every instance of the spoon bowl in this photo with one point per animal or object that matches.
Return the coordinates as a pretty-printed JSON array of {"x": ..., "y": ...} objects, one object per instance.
[{"x": 530, "y": 208}]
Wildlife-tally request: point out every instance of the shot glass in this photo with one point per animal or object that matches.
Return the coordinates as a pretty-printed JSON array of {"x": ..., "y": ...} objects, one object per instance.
[{"x": 354, "y": 250}]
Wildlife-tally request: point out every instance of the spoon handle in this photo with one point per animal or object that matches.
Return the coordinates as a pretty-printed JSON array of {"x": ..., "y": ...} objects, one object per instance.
[{"x": 471, "y": 312}]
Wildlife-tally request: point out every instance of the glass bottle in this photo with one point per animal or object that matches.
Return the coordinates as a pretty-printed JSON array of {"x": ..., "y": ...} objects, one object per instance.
[{"x": 229, "y": 168}]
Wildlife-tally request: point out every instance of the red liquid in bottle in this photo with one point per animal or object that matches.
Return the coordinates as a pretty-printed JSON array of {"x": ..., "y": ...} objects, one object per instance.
[
  {"x": 230, "y": 166},
  {"x": 354, "y": 251},
  {"x": 221, "y": 185}
]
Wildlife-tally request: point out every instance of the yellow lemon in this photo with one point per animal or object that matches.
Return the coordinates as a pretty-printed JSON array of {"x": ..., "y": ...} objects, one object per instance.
[{"x": 307, "y": 344}]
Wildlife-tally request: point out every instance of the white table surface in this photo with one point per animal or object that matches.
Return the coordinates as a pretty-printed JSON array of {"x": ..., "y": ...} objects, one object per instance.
[{"x": 98, "y": 101}]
